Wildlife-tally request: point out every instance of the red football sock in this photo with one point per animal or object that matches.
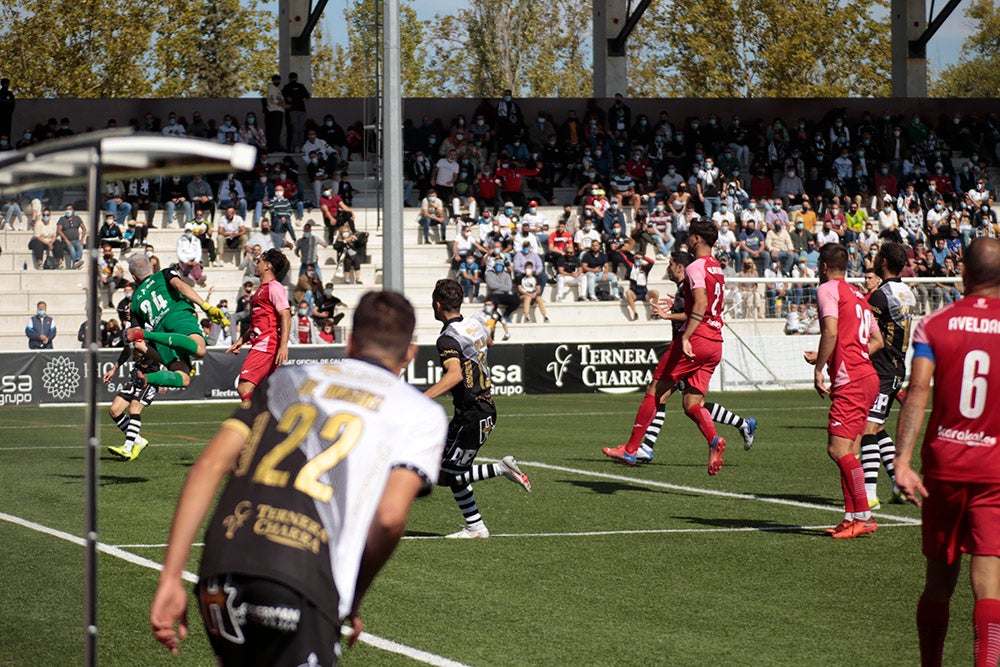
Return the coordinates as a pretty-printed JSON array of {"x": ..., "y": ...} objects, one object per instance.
[
  {"x": 854, "y": 475},
  {"x": 986, "y": 622},
  {"x": 703, "y": 418},
  {"x": 848, "y": 500},
  {"x": 932, "y": 626},
  {"x": 647, "y": 410}
]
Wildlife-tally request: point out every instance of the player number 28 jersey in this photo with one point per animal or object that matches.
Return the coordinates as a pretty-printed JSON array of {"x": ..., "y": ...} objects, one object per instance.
[
  {"x": 321, "y": 441},
  {"x": 963, "y": 341},
  {"x": 706, "y": 273},
  {"x": 855, "y": 326}
]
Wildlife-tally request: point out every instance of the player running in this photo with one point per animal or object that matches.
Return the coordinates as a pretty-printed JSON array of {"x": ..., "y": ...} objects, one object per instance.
[
  {"x": 690, "y": 361},
  {"x": 462, "y": 346},
  {"x": 892, "y": 305},
  {"x": 323, "y": 466},
  {"x": 270, "y": 324},
  {"x": 848, "y": 336},
  {"x": 163, "y": 302},
  {"x": 958, "y": 347},
  {"x": 126, "y": 408},
  {"x": 747, "y": 427}
]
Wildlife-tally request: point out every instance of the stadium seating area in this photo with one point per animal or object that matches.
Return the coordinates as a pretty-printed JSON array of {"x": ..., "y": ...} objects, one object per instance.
[{"x": 64, "y": 289}]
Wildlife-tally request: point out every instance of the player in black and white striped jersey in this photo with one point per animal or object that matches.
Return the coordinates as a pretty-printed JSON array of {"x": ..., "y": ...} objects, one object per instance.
[
  {"x": 462, "y": 346},
  {"x": 893, "y": 304}
]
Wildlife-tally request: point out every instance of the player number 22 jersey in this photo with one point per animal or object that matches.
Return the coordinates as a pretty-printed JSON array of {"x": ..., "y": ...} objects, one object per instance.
[
  {"x": 705, "y": 273},
  {"x": 321, "y": 441}
]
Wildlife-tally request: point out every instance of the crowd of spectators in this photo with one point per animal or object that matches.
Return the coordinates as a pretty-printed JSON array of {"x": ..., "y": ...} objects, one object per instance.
[{"x": 631, "y": 184}]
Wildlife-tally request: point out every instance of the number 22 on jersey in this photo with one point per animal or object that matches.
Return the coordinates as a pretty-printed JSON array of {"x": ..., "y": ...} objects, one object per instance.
[{"x": 342, "y": 430}]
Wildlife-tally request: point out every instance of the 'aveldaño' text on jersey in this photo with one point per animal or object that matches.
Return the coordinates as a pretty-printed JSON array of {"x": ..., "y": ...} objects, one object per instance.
[{"x": 963, "y": 341}]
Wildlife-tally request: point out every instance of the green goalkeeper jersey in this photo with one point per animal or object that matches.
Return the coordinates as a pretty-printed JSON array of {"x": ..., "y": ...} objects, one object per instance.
[{"x": 155, "y": 299}]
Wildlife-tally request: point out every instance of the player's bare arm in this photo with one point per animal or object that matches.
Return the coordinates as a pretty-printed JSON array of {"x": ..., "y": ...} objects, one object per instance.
[
  {"x": 285, "y": 327},
  {"x": 452, "y": 376},
  {"x": 386, "y": 530},
  {"x": 827, "y": 343},
  {"x": 911, "y": 419},
  {"x": 168, "y": 615},
  {"x": 875, "y": 342},
  {"x": 698, "y": 307}
]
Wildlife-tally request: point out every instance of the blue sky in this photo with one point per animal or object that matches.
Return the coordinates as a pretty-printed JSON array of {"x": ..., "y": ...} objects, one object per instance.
[{"x": 943, "y": 50}]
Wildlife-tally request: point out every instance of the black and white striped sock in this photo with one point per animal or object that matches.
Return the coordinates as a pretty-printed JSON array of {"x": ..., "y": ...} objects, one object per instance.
[
  {"x": 478, "y": 473},
  {"x": 720, "y": 415},
  {"x": 132, "y": 432},
  {"x": 466, "y": 500},
  {"x": 869, "y": 463},
  {"x": 887, "y": 450},
  {"x": 121, "y": 421},
  {"x": 653, "y": 430}
]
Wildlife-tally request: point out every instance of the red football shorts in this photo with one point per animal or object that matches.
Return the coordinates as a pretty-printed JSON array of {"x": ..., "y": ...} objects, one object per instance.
[
  {"x": 850, "y": 407},
  {"x": 257, "y": 366},
  {"x": 697, "y": 372},
  {"x": 960, "y": 517}
]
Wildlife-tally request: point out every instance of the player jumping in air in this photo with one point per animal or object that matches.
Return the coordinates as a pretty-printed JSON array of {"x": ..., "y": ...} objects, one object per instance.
[
  {"x": 462, "y": 346},
  {"x": 747, "y": 427},
  {"x": 163, "y": 302},
  {"x": 690, "y": 361},
  {"x": 126, "y": 409},
  {"x": 958, "y": 347},
  {"x": 892, "y": 305},
  {"x": 848, "y": 336},
  {"x": 270, "y": 324}
]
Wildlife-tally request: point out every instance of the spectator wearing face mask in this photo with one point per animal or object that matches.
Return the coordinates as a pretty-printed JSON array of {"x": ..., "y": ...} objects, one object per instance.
[
  {"x": 41, "y": 329},
  {"x": 189, "y": 255},
  {"x": 500, "y": 289},
  {"x": 638, "y": 290},
  {"x": 530, "y": 288},
  {"x": 597, "y": 268},
  {"x": 281, "y": 212},
  {"x": 303, "y": 331},
  {"x": 350, "y": 249},
  {"x": 511, "y": 176},
  {"x": 489, "y": 316},
  {"x": 432, "y": 214},
  {"x": 779, "y": 244},
  {"x": 307, "y": 249}
]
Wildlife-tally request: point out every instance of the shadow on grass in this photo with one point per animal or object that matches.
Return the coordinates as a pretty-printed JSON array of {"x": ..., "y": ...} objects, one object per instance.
[
  {"x": 758, "y": 524},
  {"x": 825, "y": 501},
  {"x": 108, "y": 480},
  {"x": 607, "y": 488}
]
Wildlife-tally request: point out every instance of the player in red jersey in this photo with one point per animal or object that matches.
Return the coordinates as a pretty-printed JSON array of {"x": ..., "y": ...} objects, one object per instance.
[
  {"x": 958, "y": 347},
  {"x": 693, "y": 361},
  {"x": 270, "y": 323},
  {"x": 848, "y": 336}
]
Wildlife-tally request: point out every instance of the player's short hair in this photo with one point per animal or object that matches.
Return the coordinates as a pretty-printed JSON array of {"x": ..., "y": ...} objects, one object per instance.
[
  {"x": 982, "y": 264},
  {"x": 278, "y": 262},
  {"x": 384, "y": 323},
  {"x": 449, "y": 293},
  {"x": 894, "y": 256},
  {"x": 682, "y": 257},
  {"x": 834, "y": 256},
  {"x": 705, "y": 230},
  {"x": 140, "y": 267}
]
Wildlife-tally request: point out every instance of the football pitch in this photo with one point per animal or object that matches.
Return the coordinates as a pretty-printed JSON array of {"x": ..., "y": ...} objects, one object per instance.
[{"x": 600, "y": 565}]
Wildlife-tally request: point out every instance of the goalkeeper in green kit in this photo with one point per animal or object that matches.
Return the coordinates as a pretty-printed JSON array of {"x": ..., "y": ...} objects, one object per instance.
[{"x": 167, "y": 330}]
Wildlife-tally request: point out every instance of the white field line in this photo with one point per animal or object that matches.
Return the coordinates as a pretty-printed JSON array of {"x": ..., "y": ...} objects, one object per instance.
[
  {"x": 695, "y": 489},
  {"x": 118, "y": 552},
  {"x": 600, "y": 533},
  {"x": 662, "y": 531}
]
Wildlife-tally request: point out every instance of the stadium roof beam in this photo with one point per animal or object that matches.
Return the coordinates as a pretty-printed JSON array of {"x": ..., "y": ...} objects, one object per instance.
[
  {"x": 911, "y": 31},
  {"x": 91, "y": 158},
  {"x": 614, "y": 21},
  {"x": 296, "y": 21}
]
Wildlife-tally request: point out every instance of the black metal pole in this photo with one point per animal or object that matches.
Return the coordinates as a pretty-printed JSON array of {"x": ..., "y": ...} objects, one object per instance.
[{"x": 93, "y": 435}]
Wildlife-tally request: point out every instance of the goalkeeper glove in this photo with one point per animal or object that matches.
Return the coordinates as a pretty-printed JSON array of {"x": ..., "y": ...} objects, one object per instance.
[{"x": 215, "y": 314}]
